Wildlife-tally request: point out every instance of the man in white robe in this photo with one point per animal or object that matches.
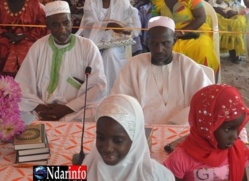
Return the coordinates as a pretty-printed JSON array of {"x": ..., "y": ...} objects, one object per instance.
[
  {"x": 52, "y": 76},
  {"x": 102, "y": 22},
  {"x": 163, "y": 81}
]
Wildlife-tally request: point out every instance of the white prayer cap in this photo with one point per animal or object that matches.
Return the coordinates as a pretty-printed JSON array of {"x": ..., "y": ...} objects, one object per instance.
[
  {"x": 161, "y": 21},
  {"x": 56, "y": 7}
]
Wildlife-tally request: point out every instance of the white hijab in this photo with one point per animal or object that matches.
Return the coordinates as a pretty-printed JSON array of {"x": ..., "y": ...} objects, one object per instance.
[
  {"x": 119, "y": 10},
  {"x": 137, "y": 165}
]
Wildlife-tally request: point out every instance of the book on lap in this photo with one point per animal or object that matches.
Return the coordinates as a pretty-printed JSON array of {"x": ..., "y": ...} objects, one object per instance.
[{"x": 34, "y": 136}]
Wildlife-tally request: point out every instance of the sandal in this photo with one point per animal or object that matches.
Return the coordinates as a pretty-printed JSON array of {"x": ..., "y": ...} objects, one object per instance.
[{"x": 236, "y": 60}]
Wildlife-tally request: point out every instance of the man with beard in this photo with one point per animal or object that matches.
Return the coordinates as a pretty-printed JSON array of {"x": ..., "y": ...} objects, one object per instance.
[
  {"x": 163, "y": 81},
  {"x": 52, "y": 76}
]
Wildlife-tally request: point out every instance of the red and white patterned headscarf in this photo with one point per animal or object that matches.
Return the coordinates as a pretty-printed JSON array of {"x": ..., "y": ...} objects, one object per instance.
[{"x": 210, "y": 107}]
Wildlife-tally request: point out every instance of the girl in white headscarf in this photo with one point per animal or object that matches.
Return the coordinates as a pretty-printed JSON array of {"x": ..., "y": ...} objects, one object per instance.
[
  {"x": 121, "y": 152},
  {"x": 102, "y": 14}
]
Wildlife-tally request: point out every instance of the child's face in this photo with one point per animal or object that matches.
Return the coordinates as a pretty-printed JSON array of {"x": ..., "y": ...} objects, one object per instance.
[
  {"x": 113, "y": 143},
  {"x": 227, "y": 133}
]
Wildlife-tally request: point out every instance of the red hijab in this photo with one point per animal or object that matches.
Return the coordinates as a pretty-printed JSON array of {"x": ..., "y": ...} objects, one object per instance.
[{"x": 209, "y": 108}]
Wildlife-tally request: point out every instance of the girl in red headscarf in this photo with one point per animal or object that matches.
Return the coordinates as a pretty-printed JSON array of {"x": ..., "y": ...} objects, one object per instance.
[{"x": 213, "y": 151}]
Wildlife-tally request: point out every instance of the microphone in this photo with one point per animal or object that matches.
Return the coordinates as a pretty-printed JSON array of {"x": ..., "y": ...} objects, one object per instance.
[{"x": 78, "y": 158}]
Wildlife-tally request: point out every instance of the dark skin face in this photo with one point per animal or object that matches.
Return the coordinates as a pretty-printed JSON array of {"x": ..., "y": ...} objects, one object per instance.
[
  {"x": 160, "y": 41},
  {"x": 106, "y": 3},
  {"x": 228, "y": 133},
  {"x": 60, "y": 26},
  {"x": 113, "y": 143}
]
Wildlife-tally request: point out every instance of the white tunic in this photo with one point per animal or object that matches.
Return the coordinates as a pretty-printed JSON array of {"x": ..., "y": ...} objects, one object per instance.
[
  {"x": 170, "y": 105},
  {"x": 34, "y": 78}
]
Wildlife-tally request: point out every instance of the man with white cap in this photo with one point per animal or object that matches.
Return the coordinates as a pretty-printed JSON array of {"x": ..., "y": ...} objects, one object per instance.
[
  {"x": 52, "y": 76},
  {"x": 163, "y": 81}
]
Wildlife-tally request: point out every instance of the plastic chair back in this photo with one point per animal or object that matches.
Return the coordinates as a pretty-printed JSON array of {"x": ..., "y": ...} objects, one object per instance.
[{"x": 215, "y": 27}]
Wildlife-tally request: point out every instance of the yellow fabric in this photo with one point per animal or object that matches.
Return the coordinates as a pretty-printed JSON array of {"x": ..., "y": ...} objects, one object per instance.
[
  {"x": 234, "y": 40},
  {"x": 201, "y": 49}
]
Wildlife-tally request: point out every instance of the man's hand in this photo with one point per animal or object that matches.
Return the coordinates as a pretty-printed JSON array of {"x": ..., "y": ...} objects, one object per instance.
[
  {"x": 18, "y": 38},
  {"x": 9, "y": 35},
  {"x": 52, "y": 112},
  {"x": 13, "y": 38}
]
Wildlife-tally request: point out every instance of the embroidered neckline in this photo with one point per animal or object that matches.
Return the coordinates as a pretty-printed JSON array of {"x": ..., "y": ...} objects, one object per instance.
[
  {"x": 56, "y": 62},
  {"x": 6, "y": 6}
]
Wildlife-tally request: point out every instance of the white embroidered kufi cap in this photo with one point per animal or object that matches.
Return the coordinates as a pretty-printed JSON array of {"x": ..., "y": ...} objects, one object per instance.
[
  {"x": 56, "y": 7},
  {"x": 161, "y": 21}
]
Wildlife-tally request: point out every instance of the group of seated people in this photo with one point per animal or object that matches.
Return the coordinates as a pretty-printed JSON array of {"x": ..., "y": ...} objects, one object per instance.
[
  {"x": 162, "y": 86},
  {"x": 192, "y": 29},
  {"x": 231, "y": 19},
  {"x": 52, "y": 76},
  {"x": 232, "y": 25}
]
